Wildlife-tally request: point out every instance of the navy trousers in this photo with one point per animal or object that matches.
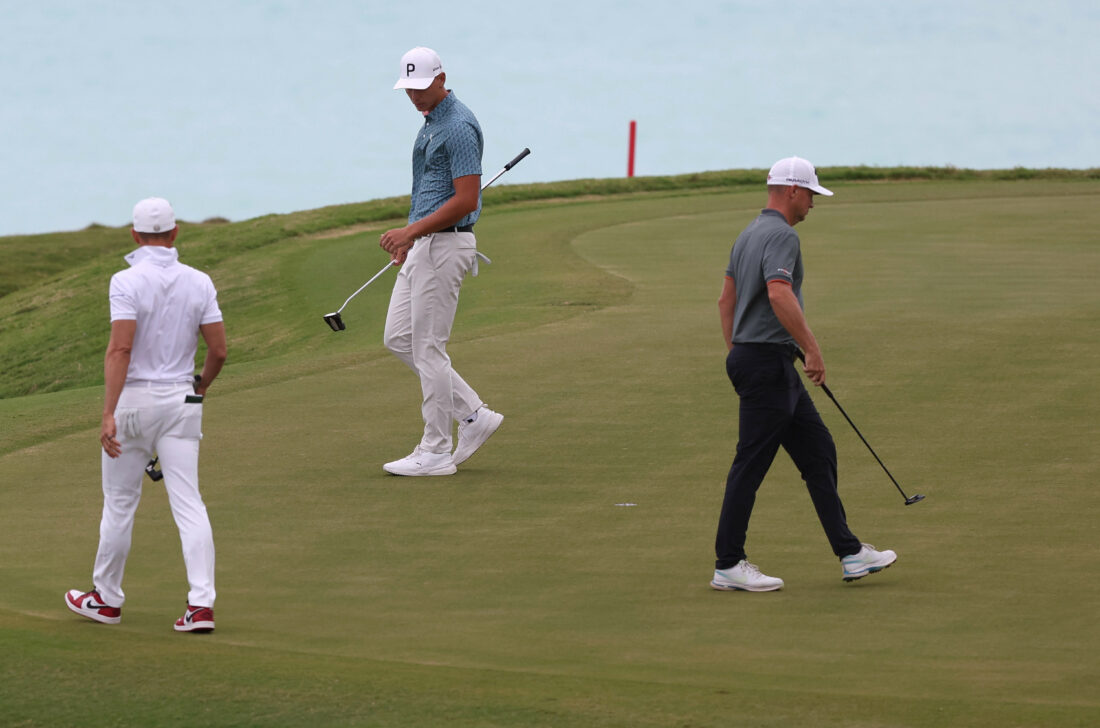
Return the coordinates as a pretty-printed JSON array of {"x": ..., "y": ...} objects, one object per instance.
[{"x": 776, "y": 410}]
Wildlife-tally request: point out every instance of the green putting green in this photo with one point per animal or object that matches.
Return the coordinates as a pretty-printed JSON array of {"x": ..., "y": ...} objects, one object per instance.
[{"x": 958, "y": 321}]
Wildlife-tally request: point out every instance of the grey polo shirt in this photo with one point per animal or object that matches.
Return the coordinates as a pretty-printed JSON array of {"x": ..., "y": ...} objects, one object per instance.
[
  {"x": 448, "y": 146},
  {"x": 767, "y": 250}
]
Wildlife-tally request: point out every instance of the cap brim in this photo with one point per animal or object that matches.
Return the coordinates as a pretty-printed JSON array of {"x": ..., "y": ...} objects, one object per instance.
[
  {"x": 416, "y": 83},
  {"x": 816, "y": 189}
]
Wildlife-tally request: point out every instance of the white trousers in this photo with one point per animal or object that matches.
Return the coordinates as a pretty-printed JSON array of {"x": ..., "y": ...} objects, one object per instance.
[
  {"x": 153, "y": 418},
  {"x": 418, "y": 327}
]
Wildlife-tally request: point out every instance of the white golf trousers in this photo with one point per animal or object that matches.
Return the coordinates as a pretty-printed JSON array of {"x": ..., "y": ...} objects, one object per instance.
[
  {"x": 153, "y": 418},
  {"x": 418, "y": 327}
]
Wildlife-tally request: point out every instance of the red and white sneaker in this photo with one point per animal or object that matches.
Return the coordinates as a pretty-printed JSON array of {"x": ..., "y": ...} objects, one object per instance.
[
  {"x": 196, "y": 619},
  {"x": 88, "y": 604}
]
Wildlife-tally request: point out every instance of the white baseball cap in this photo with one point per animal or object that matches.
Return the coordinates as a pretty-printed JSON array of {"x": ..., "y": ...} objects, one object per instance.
[
  {"x": 419, "y": 67},
  {"x": 154, "y": 215},
  {"x": 798, "y": 172}
]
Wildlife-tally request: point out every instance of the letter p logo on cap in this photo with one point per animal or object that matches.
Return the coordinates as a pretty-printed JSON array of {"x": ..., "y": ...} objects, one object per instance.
[{"x": 419, "y": 67}]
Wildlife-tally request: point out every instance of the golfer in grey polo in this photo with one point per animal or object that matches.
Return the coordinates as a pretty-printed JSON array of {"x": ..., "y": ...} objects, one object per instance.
[
  {"x": 766, "y": 251},
  {"x": 764, "y": 328}
]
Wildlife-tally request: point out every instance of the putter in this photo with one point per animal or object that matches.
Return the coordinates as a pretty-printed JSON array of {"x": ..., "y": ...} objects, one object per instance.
[
  {"x": 336, "y": 323},
  {"x": 333, "y": 319},
  {"x": 909, "y": 499}
]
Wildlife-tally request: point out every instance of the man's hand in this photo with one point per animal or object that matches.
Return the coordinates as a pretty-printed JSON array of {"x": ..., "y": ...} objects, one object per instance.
[
  {"x": 814, "y": 366},
  {"x": 107, "y": 435},
  {"x": 397, "y": 243},
  {"x": 115, "y": 364}
]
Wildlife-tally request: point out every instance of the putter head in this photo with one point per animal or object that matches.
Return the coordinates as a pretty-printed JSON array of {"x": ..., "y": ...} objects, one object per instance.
[
  {"x": 334, "y": 321},
  {"x": 915, "y": 498}
]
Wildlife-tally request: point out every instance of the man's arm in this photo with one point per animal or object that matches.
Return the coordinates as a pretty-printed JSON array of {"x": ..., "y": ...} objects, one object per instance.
[
  {"x": 216, "y": 352},
  {"x": 397, "y": 242},
  {"x": 116, "y": 362},
  {"x": 727, "y": 304},
  {"x": 790, "y": 314}
]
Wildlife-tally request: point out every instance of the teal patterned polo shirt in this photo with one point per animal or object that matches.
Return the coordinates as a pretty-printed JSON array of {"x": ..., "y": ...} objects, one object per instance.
[{"x": 448, "y": 146}]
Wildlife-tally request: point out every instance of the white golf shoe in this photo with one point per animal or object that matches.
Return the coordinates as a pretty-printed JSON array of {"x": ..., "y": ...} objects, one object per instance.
[
  {"x": 472, "y": 435},
  {"x": 422, "y": 463},
  {"x": 744, "y": 577},
  {"x": 867, "y": 561}
]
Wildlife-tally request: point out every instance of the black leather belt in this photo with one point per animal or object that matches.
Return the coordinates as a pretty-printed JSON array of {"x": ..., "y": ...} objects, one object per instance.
[
  {"x": 790, "y": 351},
  {"x": 457, "y": 229}
]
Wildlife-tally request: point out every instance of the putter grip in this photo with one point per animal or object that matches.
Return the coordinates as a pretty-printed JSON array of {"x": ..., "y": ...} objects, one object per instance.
[
  {"x": 824, "y": 388},
  {"x": 516, "y": 161}
]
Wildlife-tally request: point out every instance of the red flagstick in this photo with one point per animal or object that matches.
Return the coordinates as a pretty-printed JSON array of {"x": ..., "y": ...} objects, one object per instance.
[{"x": 630, "y": 157}]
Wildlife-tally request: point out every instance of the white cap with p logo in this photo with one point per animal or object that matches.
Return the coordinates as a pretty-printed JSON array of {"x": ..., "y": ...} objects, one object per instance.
[{"x": 419, "y": 67}]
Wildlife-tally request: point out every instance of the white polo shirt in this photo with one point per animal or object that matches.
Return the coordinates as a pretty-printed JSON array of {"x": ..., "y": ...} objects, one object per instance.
[{"x": 169, "y": 301}]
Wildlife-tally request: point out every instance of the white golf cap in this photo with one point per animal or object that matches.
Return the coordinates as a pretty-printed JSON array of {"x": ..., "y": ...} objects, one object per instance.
[
  {"x": 798, "y": 172},
  {"x": 419, "y": 67},
  {"x": 153, "y": 215}
]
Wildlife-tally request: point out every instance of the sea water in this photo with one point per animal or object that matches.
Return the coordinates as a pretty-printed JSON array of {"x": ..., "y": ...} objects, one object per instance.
[{"x": 237, "y": 108}]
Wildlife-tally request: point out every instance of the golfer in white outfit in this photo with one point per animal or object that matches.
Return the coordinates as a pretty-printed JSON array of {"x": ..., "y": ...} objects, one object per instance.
[
  {"x": 153, "y": 406},
  {"x": 436, "y": 250}
]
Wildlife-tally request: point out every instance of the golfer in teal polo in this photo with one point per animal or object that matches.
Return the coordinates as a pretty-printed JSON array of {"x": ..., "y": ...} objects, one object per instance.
[{"x": 435, "y": 251}]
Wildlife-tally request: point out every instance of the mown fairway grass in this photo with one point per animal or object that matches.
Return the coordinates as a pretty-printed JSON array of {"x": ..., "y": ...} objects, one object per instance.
[{"x": 958, "y": 321}]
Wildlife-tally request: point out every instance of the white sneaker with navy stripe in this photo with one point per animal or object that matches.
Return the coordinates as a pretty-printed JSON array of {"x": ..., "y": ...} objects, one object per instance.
[
  {"x": 744, "y": 577},
  {"x": 867, "y": 561}
]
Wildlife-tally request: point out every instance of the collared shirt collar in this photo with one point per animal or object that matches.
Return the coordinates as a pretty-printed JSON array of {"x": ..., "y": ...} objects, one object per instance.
[
  {"x": 442, "y": 107},
  {"x": 156, "y": 254}
]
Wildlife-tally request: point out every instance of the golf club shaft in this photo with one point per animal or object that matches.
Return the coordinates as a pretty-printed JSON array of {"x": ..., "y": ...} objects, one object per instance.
[
  {"x": 372, "y": 280},
  {"x": 829, "y": 394},
  {"x": 507, "y": 167}
]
